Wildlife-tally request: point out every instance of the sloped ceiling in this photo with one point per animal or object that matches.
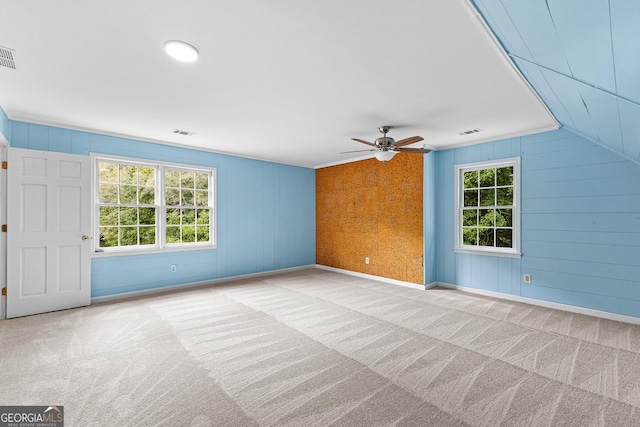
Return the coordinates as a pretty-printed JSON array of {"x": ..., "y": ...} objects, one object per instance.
[{"x": 583, "y": 59}]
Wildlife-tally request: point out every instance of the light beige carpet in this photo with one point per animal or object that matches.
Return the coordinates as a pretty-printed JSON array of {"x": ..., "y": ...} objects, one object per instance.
[{"x": 317, "y": 348}]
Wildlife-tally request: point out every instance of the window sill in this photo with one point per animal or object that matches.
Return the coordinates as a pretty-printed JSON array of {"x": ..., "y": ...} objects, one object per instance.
[
  {"x": 488, "y": 253},
  {"x": 155, "y": 251}
]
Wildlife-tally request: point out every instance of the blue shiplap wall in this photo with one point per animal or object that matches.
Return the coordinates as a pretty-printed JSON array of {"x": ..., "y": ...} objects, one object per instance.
[
  {"x": 580, "y": 224},
  {"x": 429, "y": 219},
  {"x": 5, "y": 127},
  {"x": 265, "y": 213}
]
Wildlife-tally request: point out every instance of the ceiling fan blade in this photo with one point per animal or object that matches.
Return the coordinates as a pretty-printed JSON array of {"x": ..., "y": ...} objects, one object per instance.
[
  {"x": 407, "y": 141},
  {"x": 364, "y": 142},
  {"x": 356, "y": 151},
  {"x": 412, "y": 150}
]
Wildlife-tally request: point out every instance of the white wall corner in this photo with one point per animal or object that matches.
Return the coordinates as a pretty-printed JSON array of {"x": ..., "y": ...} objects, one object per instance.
[{"x": 431, "y": 285}]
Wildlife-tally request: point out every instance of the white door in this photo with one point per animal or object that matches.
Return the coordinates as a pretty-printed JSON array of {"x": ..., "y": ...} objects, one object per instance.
[{"x": 48, "y": 221}]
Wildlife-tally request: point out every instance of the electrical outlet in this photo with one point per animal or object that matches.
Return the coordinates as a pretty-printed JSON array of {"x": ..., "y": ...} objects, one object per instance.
[
  {"x": 173, "y": 268},
  {"x": 527, "y": 278},
  {"x": 366, "y": 260}
]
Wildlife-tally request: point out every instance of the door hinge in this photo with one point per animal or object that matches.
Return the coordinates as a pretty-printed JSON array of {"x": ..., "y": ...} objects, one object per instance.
[
  {"x": 4, "y": 291},
  {"x": 4, "y": 228},
  {"x": 5, "y": 165}
]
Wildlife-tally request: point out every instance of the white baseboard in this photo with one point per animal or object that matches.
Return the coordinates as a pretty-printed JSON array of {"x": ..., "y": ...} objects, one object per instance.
[
  {"x": 431, "y": 285},
  {"x": 542, "y": 303},
  {"x": 372, "y": 277},
  {"x": 508, "y": 297},
  {"x": 184, "y": 286}
]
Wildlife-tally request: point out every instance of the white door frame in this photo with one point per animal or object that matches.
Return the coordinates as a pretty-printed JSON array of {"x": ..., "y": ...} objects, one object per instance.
[{"x": 3, "y": 220}]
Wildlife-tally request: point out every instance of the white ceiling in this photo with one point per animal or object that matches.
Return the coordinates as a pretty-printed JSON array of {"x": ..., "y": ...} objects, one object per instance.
[{"x": 285, "y": 80}]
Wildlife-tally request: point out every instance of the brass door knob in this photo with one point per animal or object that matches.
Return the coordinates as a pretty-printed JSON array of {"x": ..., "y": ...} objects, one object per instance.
[{"x": 85, "y": 238}]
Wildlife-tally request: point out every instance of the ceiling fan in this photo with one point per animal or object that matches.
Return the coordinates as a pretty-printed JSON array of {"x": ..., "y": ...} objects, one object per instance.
[{"x": 386, "y": 147}]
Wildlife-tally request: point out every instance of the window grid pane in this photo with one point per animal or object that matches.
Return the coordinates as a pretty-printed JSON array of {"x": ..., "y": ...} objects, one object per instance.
[
  {"x": 126, "y": 200},
  {"x": 487, "y": 205},
  {"x": 186, "y": 192}
]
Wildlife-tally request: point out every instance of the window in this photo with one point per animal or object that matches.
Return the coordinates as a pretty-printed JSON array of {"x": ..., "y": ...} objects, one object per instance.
[
  {"x": 487, "y": 208},
  {"x": 142, "y": 205},
  {"x": 188, "y": 208}
]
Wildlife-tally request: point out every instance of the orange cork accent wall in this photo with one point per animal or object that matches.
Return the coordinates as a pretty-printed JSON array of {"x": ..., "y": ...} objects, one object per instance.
[{"x": 372, "y": 209}]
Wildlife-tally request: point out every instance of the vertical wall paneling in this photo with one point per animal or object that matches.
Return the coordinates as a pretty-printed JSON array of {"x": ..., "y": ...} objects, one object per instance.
[
  {"x": 265, "y": 213},
  {"x": 19, "y": 134},
  {"x": 5, "y": 137},
  {"x": 429, "y": 218},
  {"x": 5, "y": 126},
  {"x": 38, "y": 137},
  {"x": 445, "y": 224},
  {"x": 375, "y": 210},
  {"x": 60, "y": 140},
  {"x": 80, "y": 143},
  {"x": 580, "y": 224}
]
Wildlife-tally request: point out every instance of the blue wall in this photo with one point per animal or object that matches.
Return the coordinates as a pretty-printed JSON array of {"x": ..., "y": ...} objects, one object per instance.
[
  {"x": 265, "y": 213},
  {"x": 580, "y": 219},
  {"x": 580, "y": 209},
  {"x": 5, "y": 127},
  {"x": 429, "y": 219}
]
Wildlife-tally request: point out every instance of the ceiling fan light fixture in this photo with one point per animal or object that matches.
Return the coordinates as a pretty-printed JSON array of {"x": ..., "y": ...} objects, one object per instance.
[
  {"x": 181, "y": 51},
  {"x": 385, "y": 156}
]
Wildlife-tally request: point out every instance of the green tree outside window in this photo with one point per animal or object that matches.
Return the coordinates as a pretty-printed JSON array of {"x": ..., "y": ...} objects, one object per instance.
[{"x": 487, "y": 207}]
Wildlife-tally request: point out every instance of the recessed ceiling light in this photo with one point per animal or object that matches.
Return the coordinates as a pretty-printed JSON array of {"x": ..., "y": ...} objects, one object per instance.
[{"x": 181, "y": 51}]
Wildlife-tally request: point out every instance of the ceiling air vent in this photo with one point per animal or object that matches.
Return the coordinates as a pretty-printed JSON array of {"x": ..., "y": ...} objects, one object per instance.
[
  {"x": 469, "y": 132},
  {"x": 183, "y": 132},
  {"x": 6, "y": 58}
]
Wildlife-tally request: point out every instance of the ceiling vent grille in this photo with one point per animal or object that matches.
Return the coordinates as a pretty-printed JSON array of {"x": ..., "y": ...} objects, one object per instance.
[
  {"x": 183, "y": 132},
  {"x": 469, "y": 132},
  {"x": 6, "y": 58}
]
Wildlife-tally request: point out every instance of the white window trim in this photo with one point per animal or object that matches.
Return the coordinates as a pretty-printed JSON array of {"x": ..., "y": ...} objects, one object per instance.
[
  {"x": 160, "y": 246},
  {"x": 502, "y": 252}
]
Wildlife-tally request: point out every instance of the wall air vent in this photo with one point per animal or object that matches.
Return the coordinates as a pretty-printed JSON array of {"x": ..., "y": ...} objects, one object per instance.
[
  {"x": 469, "y": 132},
  {"x": 6, "y": 58},
  {"x": 183, "y": 132}
]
